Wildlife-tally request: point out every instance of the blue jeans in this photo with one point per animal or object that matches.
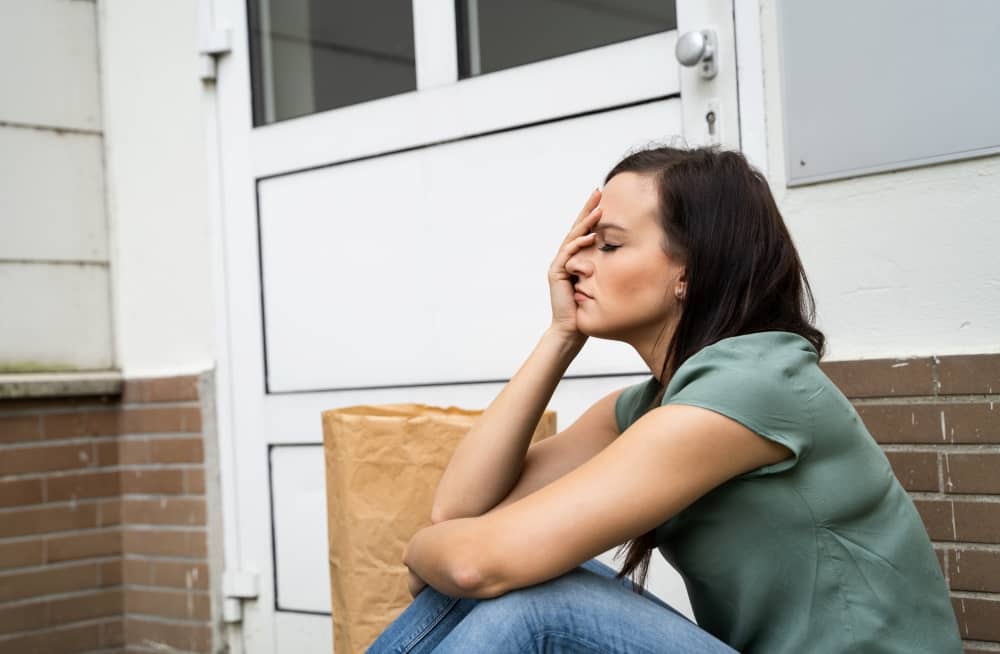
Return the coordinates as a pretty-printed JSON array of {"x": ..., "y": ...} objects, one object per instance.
[{"x": 585, "y": 610}]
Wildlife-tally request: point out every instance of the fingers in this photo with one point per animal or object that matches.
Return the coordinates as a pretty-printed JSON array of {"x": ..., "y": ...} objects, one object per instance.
[
  {"x": 568, "y": 250},
  {"x": 588, "y": 206},
  {"x": 584, "y": 225}
]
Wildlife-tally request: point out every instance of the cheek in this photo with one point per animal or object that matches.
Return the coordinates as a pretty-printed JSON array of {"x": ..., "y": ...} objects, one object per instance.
[{"x": 636, "y": 283}]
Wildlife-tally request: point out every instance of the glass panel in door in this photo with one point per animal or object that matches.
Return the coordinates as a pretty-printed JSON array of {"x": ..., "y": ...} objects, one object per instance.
[{"x": 494, "y": 35}]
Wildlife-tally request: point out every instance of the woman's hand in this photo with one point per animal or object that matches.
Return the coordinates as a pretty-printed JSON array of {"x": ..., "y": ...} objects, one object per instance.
[
  {"x": 560, "y": 282},
  {"x": 415, "y": 583}
]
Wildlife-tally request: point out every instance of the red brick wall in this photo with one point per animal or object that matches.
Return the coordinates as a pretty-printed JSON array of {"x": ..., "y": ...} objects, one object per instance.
[
  {"x": 103, "y": 537},
  {"x": 938, "y": 420}
]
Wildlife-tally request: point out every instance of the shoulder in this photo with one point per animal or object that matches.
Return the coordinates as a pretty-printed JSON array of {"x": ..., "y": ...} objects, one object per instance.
[
  {"x": 757, "y": 365},
  {"x": 767, "y": 382},
  {"x": 750, "y": 375}
]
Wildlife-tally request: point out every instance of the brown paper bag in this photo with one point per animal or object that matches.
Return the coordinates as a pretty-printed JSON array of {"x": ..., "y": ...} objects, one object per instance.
[{"x": 383, "y": 464}]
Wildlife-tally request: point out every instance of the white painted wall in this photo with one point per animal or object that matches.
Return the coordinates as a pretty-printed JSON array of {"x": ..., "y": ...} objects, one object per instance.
[
  {"x": 901, "y": 263},
  {"x": 157, "y": 186},
  {"x": 54, "y": 280}
]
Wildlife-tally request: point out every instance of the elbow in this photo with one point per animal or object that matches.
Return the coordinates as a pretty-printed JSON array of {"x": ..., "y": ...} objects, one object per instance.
[
  {"x": 479, "y": 580},
  {"x": 474, "y": 584},
  {"x": 438, "y": 515},
  {"x": 468, "y": 581}
]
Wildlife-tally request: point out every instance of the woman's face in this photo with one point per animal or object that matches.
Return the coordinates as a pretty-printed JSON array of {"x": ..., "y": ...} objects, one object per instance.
[{"x": 630, "y": 283}]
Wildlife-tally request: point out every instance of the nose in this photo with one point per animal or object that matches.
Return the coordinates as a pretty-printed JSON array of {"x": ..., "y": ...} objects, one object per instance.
[{"x": 580, "y": 264}]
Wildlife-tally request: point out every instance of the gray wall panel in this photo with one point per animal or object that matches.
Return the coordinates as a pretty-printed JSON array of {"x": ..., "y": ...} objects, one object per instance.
[{"x": 874, "y": 86}]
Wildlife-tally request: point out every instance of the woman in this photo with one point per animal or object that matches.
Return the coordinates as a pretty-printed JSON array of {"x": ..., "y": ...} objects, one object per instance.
[{"x": 738, "y": 458}]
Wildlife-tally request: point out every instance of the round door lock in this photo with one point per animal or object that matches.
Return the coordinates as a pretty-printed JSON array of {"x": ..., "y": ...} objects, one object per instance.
[{"x": 698, "y": 49}]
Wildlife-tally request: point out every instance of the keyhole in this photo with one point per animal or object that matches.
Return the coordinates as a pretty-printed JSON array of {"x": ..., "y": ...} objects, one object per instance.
[{"x": 710, "y": 119}]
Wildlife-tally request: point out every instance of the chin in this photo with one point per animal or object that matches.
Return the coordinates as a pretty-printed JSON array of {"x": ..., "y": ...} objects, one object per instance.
[{"x": 596, "y": 331}]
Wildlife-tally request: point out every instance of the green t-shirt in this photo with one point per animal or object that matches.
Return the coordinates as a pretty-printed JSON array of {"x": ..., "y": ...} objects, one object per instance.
[{"x": 823, "y": 552}]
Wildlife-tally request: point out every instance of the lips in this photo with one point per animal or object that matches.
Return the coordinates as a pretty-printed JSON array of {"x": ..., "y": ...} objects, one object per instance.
[{"x": 577, "y": 289}]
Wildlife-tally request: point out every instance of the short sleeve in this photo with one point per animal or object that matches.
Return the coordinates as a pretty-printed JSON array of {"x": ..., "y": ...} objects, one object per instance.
[
  {"x": 632, "y": 401},
  {"x": 765, "y": 389}
]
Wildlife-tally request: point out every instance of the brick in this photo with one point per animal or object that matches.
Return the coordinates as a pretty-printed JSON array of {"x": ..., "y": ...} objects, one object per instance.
[
  {"x": 938, "y": 518},
  {"x": 161, "y": 420},
  {"x": 65, "y": 640},
  {"x": 109, "y": 513},
  {"x": 103, "y": 422},
  {"x": 969, "y": 374},
  {"x": 194, "y": 481},
  {"x": 974, "y": 570},
  {"x": 23, "y": 617},
  {"x": 113, "y": 633},
  {"x": 110, "y": 573},
  {"x": 22, "y": 553},
  {"x": 916, "y": 471},
  {"x": 176, "y": 450},
  {"x": 164, "y": 511},
  {"x": 169, "y": 574},
  {"x": 162, "y": 389},
  {"x": 153, "y": 482},
  {"x": 153, "y": 542},
  {"x": 83, "y": 485},
  {"x": 156, "y": 634},
  {"x": 978, "y": 618},
  {"x": 977, "y": 522},
  {"x": 187, "y": 605},
  {"x": 133, "y": 452},
  {"x": 117, "y": 421},
  {"x": 882, "y": 377},
  {"x": 48, "y": 581},
  {"x": 44, "y": 519},
  {"x": 107, "y": 453},
  {"x": 20, "y": 492},
  {"x": 20, "y": 428},
  {"x": 44, "y": 459},
  {"x": 934, "y": 423},
  {"x": 977, "y": 472},
  {"x": 83, "y": 545},
  {"x": 86, "y": 607},
  {"x": 137, "y": 572}
]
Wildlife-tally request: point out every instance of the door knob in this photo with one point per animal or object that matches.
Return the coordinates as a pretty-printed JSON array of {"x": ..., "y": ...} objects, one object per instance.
[{"x": 699, "y": 49}]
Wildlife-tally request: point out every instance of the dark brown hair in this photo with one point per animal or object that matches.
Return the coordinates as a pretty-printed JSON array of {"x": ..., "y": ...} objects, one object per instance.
[{"x": 743, "y": 272}]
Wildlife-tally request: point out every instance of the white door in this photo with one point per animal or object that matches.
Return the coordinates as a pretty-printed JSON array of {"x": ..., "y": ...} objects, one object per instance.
[{"x": 396, "y": 177}]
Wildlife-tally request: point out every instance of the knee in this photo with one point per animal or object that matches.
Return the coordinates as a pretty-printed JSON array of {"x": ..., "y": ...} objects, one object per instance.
[{"x": 533, "y": 603}]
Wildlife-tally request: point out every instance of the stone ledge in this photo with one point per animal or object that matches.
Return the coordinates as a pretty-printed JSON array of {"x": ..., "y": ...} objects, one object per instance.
[{"x": 61, "y": 384}]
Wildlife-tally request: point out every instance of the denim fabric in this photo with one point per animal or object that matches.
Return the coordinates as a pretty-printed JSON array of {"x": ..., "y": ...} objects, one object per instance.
[{"x": 585, "y": 610}]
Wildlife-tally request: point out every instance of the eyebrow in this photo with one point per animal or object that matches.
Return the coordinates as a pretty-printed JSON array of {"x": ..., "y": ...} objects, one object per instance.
[{"x": 600, "y": 227}]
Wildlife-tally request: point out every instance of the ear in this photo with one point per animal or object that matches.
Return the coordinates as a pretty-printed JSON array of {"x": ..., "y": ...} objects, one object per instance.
[{"x": 680, "y": 286}]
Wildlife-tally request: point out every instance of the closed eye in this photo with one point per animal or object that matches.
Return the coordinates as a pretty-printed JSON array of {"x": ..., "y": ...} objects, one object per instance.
[{"x": 607, "y": 247}]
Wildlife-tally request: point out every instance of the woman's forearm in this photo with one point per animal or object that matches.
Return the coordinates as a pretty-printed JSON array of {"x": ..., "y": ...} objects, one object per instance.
[{"x": 488, "y": 461}]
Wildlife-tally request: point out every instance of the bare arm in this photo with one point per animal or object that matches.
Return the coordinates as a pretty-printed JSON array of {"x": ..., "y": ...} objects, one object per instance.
[
  {"x": 557, "y": 455},
  {"x": 489, "y": 459}
]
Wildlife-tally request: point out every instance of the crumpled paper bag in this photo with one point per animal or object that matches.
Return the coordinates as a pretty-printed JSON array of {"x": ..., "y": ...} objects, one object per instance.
[{"x": 383, "y": 464}]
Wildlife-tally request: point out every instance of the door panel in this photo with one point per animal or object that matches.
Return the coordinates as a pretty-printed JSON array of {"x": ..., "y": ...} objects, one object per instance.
[{"x": 395, "y": 270}]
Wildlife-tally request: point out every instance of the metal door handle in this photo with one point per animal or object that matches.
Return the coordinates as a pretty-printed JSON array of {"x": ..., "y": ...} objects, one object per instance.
[{"x": 699, "y": 49}]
